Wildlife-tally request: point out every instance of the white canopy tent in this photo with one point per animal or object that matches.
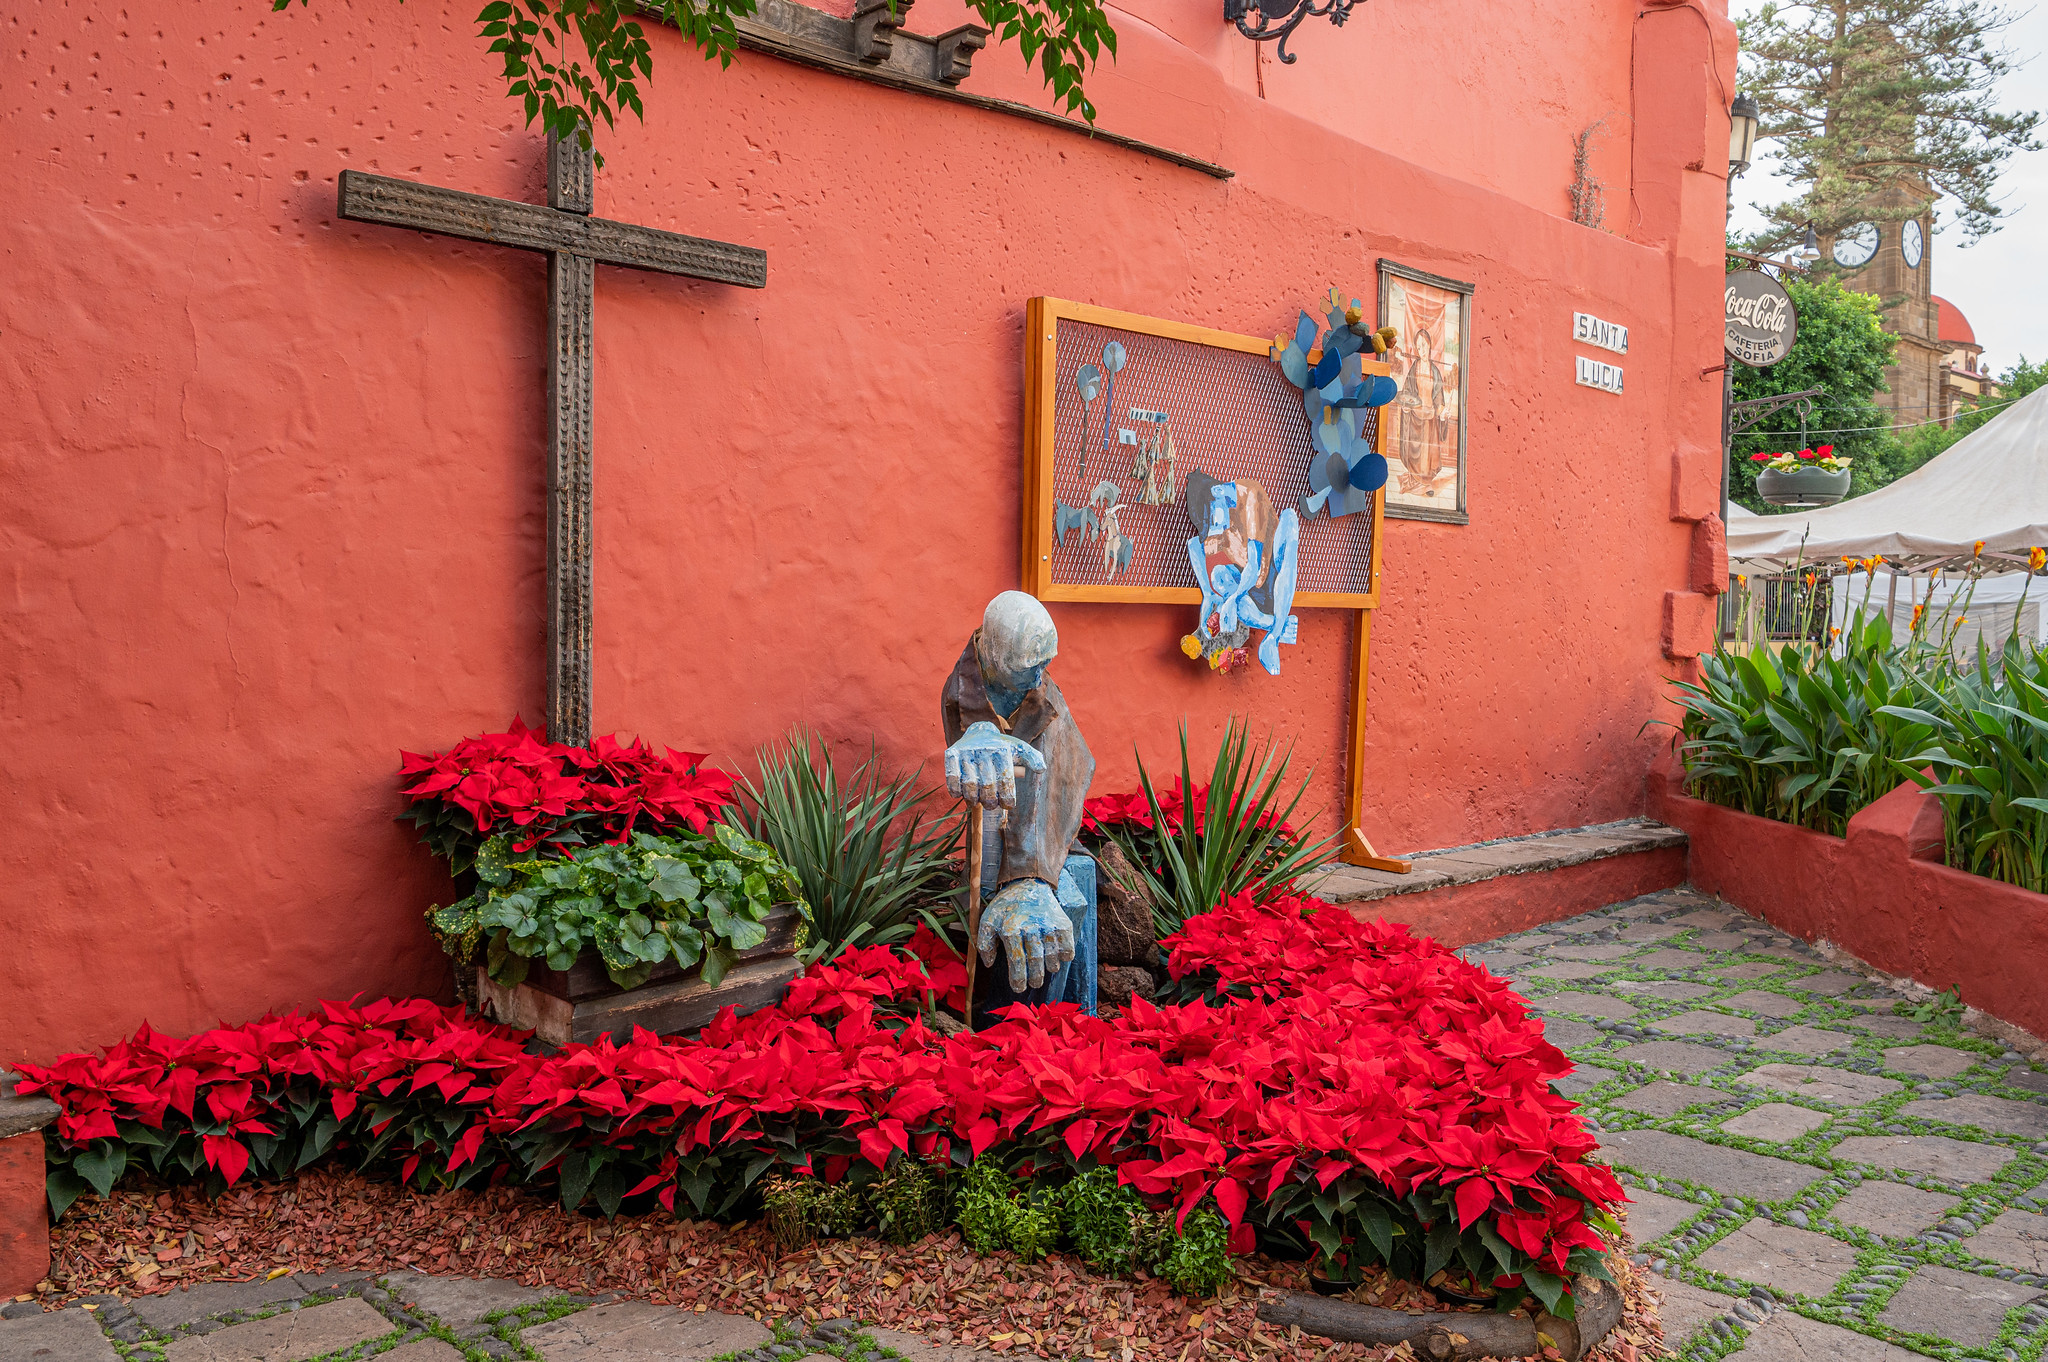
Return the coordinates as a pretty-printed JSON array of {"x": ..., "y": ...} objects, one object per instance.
[{"x": 1991, "y": 485}]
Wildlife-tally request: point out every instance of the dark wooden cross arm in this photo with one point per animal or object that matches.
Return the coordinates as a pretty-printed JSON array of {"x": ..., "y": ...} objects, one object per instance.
[{"x": 533, "y": 227}]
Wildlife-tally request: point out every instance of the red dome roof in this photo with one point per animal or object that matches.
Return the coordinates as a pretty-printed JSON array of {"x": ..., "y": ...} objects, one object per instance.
[{"x": 1954, "y": 326}]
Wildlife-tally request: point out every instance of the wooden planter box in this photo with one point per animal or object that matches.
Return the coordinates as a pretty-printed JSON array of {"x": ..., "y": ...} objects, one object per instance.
[{"x": 581, "y": 1003}]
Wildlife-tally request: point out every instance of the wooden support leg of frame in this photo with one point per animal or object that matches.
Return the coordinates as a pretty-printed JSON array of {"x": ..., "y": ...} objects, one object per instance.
[
  {"x": 1362, "y": 852},
  {"x": 1356, "y": 848}
]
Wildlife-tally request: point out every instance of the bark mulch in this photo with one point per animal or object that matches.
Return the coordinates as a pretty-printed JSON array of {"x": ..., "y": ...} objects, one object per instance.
[{"x": 148, "y": 1241}]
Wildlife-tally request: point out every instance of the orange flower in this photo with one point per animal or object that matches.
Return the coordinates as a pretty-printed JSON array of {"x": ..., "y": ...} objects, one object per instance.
[
  {"x": 1834, "y": 633},
  {"x": 1918, "y": 611},
  {"x": 2036, "y": 559},
  {"x": 1809, "y": 579},
  {"x": 1742, "y": 578},
  {"x": 1977, "y": 548}
]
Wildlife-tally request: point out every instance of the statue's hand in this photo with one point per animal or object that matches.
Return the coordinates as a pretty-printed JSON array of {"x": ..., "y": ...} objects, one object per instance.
[
  {"x": 1036, "y": 933},
  {"x": 978, "y": 767}
]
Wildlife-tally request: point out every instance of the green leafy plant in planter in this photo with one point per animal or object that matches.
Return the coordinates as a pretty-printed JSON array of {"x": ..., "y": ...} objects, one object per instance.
[
  {"x": 695, "y": 900},
  {"x": 1808, "y": 739},
  {"x": 865, "y": 858},
  {"x": 1232, "y": 836},
  {"x": 1989, "y": 763}
]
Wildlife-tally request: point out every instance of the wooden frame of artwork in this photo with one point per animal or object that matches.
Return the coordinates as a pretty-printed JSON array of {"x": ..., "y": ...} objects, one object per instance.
[
  {"x": 1397, "y": 503},
  {"x": 1041, "y": 375},
  {"x": 1042, "y": 318}
]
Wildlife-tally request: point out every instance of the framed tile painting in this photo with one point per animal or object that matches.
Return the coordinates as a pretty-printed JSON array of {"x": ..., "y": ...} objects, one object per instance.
[{"x": 1426, "y": 419}]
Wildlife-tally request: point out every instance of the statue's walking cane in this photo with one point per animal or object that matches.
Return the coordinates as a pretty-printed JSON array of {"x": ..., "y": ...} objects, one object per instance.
[{"x": 974, "y": 860}]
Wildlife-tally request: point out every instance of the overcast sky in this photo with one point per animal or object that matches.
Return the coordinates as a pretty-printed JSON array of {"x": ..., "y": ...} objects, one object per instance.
[{"x": 2001, "y": 283}]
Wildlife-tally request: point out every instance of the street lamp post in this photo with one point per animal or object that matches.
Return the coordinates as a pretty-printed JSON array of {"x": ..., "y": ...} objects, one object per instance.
[{"x": 1743, "y": 117}]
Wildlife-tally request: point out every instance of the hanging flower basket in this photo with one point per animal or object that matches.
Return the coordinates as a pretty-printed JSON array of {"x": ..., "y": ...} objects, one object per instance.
[{"x": 1811, "y": 477}]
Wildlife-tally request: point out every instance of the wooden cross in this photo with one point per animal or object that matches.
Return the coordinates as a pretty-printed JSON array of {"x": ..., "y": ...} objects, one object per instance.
[{"x": 574, "y": 243}]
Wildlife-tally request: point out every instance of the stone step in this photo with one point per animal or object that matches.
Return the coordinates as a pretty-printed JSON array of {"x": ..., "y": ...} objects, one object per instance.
[{"x": 1543, "y": 851}]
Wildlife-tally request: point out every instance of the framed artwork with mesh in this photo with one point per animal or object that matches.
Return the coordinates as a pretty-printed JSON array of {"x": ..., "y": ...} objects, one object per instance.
[{"x": 1119, "y": 410}]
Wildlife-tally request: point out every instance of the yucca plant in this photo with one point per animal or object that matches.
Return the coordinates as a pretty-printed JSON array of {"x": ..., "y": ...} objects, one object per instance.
[
  {"x": 871, "y": 864},
  {"x": 1233, "y": 838},
  {"x": 1991, "y": 764}
]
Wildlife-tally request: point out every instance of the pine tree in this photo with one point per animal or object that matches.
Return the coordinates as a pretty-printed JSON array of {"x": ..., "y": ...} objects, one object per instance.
[{"x": 1876, "y": 106}]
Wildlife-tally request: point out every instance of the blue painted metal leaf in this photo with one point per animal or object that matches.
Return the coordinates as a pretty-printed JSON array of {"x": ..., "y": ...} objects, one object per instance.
[
  {"x": 1382, "y": 390},
  {"x": 1113, "y": 356},
  {"x": 1369, "y": 474},
  {"x": 1338, "y": 474},
  {"x": 1294, "y": 364},
  {"x": 1088, "y": 379},
  {"x": 1330, "y": 436},
  {"x": 1305, "y": 332},
  {"x": 1327, "y": 369}
]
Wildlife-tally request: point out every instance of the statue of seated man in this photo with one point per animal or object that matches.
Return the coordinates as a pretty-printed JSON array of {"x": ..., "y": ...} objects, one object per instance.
[{"x": 999, "y": 709}]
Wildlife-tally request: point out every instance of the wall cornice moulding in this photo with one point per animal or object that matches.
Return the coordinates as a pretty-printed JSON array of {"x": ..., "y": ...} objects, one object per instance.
[{"x": 874, "y": 47}]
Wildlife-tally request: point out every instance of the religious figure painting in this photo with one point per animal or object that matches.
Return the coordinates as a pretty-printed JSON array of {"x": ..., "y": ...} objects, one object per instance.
[{"x": 1426, "y": 448}]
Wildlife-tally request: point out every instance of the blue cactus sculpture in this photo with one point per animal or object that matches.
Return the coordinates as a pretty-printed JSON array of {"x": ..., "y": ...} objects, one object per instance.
[{"x": 1336, "y": 392}]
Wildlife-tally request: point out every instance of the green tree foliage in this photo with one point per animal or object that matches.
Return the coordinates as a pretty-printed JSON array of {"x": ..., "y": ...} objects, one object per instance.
[
  {"x": 544, "y": 45},
  {"x": 1862, "y": 97},
  {"x": 1842, "y": 348}
]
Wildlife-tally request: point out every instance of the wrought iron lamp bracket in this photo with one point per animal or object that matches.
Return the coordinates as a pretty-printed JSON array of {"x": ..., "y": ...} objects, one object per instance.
[
  {"x": 1746, "y": 415},
  {"x": 1279, "y": 18}
]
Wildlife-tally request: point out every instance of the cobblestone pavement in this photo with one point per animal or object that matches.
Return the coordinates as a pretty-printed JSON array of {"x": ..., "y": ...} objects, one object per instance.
[
  {"x": 1815, "y": 1173},
  {"x": 408, "y": 1317}
]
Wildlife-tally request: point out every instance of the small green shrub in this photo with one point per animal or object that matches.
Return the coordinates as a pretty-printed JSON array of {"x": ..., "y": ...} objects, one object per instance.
[
  {"x": 982, "y": 1207},
  {"x": 1031, "y": 1223},
  {"x": 1101, "y": 1217},
  {"x": 1196, "y": 1258},
  {"x": 786, "y": 1203},
  {"x": 993, "y": 1215},
  {"x": 909, "y": 1204},
  {"x": 801, "y": 1208}
]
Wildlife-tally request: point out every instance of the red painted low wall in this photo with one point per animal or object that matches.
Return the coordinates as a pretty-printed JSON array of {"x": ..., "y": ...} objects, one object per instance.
[
  {"x": 1462, "y": 914},
  {"x": 24, "y": 1225},
  {"x": 1881, "y": 894}
]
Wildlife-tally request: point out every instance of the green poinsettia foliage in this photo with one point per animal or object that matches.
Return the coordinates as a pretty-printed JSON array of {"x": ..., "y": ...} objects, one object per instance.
[{"x": 695, "y": 900}]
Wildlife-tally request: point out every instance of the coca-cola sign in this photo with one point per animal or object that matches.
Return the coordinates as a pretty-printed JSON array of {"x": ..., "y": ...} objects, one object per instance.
[{"x": 1761, "y": 324}]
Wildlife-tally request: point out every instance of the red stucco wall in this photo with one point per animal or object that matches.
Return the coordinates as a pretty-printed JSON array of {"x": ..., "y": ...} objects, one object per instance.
[{"x": 273, "y": 482}]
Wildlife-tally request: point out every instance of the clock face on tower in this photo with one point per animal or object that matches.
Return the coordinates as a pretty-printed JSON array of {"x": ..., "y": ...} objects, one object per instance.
[
  {"x": 1855, "y": 245},
  {"x": 1912, "y": 244}
]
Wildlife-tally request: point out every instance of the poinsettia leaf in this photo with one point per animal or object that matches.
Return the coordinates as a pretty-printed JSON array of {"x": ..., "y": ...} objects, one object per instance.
[
  {"x": 101, "y": 1165},
  {"x": 63, "y": 1187},
  {"x": 1503, "y": 1256},
  {"x": 576, "y": 1173},
  {"x": 1550, "y": 1290},
  {"x": 1379, "y": 1227},
  {"x": 1441, "y": 1244}
]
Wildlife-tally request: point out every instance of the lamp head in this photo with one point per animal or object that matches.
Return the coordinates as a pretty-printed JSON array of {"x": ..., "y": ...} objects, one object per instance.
[{"x": 1743, "y": 116}]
